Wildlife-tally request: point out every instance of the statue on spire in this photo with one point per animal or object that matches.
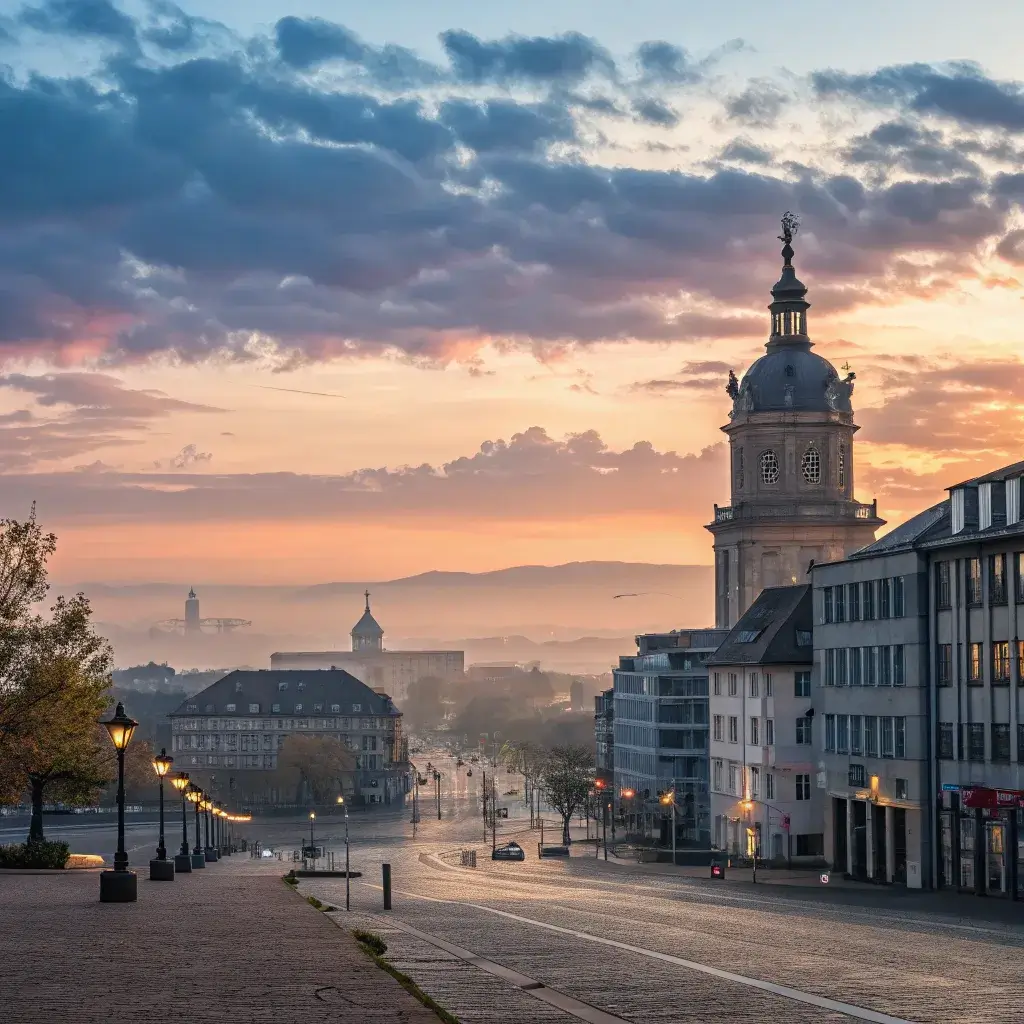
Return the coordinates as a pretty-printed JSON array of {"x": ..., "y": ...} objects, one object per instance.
[{"x": 790, "y": 226}]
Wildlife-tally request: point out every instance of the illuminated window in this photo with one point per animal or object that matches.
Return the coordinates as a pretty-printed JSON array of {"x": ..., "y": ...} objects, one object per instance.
[
  {"x": 769, "y": 467},
  {"x": 810, "y": 465}
]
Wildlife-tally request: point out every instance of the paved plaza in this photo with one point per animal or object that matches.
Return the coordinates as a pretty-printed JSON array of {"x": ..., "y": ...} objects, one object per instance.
[{"x": 229, "y": 943}]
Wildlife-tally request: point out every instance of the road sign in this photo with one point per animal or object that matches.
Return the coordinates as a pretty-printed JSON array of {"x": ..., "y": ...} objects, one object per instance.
[
  {"x": 824, "y": 879},
  {"x": 950, "y": 787}
]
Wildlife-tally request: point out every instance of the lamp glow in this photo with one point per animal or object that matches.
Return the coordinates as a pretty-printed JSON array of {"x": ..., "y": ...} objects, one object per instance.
[{"x": 121, "y": 728}]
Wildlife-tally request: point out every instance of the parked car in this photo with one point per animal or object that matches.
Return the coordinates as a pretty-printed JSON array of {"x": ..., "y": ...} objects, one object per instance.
[{"x": 510, "y": 851}]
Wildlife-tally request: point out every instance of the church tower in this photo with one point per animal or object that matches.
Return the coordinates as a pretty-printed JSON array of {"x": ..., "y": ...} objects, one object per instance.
[
  {"x": 367, "y": 636},
  {"x": 791, "y": 461}
]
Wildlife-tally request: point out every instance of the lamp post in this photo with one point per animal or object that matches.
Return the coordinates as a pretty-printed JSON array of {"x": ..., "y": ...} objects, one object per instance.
[
  {"x": 195, "y": 794},
  {"x": 208, "y": 853},
  {"x": 437, "y": 786},
  {"x": 669, "y": 799},
  {"x": 182, "y": 860},
  {"x": 348, "y": 884},
  {"x": 161, "y": 869},
  {"x": 312, "y": 845},
  {"x": 748, "y": 807},
  {"x": 120, "y": 885}
]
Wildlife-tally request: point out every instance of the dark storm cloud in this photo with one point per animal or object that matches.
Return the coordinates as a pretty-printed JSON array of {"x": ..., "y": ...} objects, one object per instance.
[
  {"x": 759, "y": 105},
  {"x": 230, "y": 203},
  {"x": 96, "y": 18},
  {"x": 897, "y": 145}
]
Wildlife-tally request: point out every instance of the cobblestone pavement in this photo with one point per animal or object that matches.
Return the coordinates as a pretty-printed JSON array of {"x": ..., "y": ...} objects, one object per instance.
[
  {"x": 916, "y": 959},
  {"x": 229, "y": 943}
]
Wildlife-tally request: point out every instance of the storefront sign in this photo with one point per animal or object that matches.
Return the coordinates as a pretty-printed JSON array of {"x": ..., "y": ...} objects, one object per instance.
[
  {"x": 979, "y": 796},
  {"x": 950, "y": 787}
]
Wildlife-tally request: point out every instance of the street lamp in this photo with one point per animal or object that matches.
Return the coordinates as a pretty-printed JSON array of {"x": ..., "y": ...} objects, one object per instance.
[
  {"x": 195, "y": 794},
  {"x": 751, "y": 830},
  {"x": 120, "y": 885},
  {"x": 348, "y": 901},
  {"x": 209, "y": 854},
  {"x": 312, "y": 846},
  {"x": 669, "y": 799},
  {"x": 182, "y": 861},
  {"x": 437, "y": 785},
  {"x": 161, "y": 869}
]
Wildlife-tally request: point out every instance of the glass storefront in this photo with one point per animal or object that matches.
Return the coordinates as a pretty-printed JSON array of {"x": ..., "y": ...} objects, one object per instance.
[{"x": 981, "y": 850}]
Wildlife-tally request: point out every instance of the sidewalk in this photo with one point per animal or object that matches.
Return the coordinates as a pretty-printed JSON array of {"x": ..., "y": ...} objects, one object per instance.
[{"x": 229, "y": 943}]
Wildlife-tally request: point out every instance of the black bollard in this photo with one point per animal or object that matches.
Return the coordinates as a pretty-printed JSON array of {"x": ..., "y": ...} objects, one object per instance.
[{"x": 386, "y": 870}]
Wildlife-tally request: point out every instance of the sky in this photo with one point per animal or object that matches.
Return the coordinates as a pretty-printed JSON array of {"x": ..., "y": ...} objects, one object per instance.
[{"x": 356, "y": 291}]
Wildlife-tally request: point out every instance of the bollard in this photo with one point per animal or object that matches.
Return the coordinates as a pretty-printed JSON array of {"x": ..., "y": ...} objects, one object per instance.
[{"x": 386, "y": 869}]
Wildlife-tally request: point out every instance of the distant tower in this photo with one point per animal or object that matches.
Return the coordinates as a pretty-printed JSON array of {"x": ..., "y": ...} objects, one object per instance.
[
  {"x": 192, "y": 612},
  {"x": 367, "y": 636}
]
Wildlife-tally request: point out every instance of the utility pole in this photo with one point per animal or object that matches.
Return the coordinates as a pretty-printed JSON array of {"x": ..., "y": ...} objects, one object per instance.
[
  {"x": 605, "y": 813},
  {"x": 494, "y": 814},
  {"x": 437, "y": 784}
]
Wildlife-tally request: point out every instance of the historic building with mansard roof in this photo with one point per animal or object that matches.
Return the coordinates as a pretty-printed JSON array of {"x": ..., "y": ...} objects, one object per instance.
[{"x": 792, "y": 462}]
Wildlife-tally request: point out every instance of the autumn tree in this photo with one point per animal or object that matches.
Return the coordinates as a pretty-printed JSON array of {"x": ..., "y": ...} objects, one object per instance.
[
  {"x": 567, "y": 776},
  {"x": 316, "y": 762},
  {"x": 424, "y": 707}
]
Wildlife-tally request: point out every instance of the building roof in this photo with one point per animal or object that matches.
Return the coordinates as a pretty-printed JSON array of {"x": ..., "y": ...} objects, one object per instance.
[
  {"x": 287, "y": 687},
  {"x": 774, "y": 630},
  {"x": 367, "y": 625},
  {"x": 1005, "y": 473},
  {"x": 908, "y": 535}
]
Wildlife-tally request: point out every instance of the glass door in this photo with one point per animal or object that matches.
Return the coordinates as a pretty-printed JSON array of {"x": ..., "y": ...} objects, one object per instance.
[{"x": 995, "y": 859}]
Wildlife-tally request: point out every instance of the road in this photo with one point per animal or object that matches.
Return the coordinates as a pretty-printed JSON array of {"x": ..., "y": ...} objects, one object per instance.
[{"x": 642, "y": 946}]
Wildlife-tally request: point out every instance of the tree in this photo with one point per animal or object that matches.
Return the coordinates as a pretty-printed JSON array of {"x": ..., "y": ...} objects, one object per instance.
[
  {"x": 424, "y": 706},
  {"x": 567, "y": 776},
  {"x": 317, "y": 762}
]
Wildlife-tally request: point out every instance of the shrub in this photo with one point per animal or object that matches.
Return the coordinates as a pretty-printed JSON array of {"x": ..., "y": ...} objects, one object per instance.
[
  {"x": 291, "y": 880},
  {"x": 373, "y": 942},
  {"x": 314, "y": 902},
  {"x": 34, "y": 855}
]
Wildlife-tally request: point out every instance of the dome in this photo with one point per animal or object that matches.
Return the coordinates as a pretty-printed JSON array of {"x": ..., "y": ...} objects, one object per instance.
[{"x": 790, "y": 379}]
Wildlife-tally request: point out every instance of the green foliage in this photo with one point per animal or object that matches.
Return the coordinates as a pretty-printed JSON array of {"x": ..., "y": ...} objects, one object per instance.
[
  {"x": 567, "y": 776},
  {"x": 34, "y": 855},
  {"x": 314, "y": 902},
  {"x": 372, "y": 941},
  {"x": 290, "y": 878},
  {"x": 317, "y": 761}
]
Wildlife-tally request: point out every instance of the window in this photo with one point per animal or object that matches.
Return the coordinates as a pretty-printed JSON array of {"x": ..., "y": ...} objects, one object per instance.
[
  {"x": 856, "y": 676},
  {"x": 803, "y": 787},
  {"x": 974, "y": 581},
  {"x": 1020, "y": 743},
  {"x": 769, "y": 467},
  {"x": 716, "y": 684},
  {"x": 842, "y": 734},
  {"x": 356, "y": 708},
  {"x": 733, "y": 684},
  {"x": 945, "y": 741},
  {"x": 803, "y": 730},
  {"x": 840, "y": 594},
  {"x": 282, "y": 685},
  {"x": 885, "y": 599},
  {"x": 335, "y": 708},
  {"x": 754, "y": 687},
  {"x": 802, "y": 684},
  {"x": 1019, "y": 559},
  {"x": 732, "y": 779},
  {"x": 755, "y": 731},
  {"x": 229, "y": 707},
  {"x": 739, "y": 469},
  {"x": 318, "y": 707},
  {"x": 830, "y": 733},
  {"x": 944, "y": 664},
  {"x": 827, "y": 606},
  {"x": 997, "y": 579},
  {"x": 298, "y": 707},
  {"x": 899, "y": 670},
  {"x": 768, "y": 684},
  {"x": 755, "y": 782},
  {"x": 254, "y": 709},
  {"x": 810, "y": 465},
  {"x": 829, "y": 658},
  {"x": 1020, "y": 662},
  {"x": 888, "y": 736},
  {"x": 856, "y": 734},
  {"x": 717, "y": 727},
  {"x": 733, "y": 729},
  {"x": 900, "y": 726},
  {"x": 867, "y": 600},
  {"x": 956, "y": 510},
  {"x": 870, "y": 666},
  {"x": 975, "y": 741},
  {"x": 898, "y": 602},
  {"x": 1000, "y": 742},
  {"x": 769, "y": 731},
  {"x": 944, "y": 592},
  {"x": 856, "y": 776},
  {"x": 769, "y": 786},
  {"x": 974, "y": 663},
  {"x": 870, "y": 736},
  {"x": 804, "y": 638},
  {"x": 1001, "y": 661},
  {"x": 885, "y": 665},
  {"x": 853, "y": 601},
  {"x": 842, "y": 466},
  {"x": 899, "y": 789},
  {"x": 841, "y": 677},
  {"x": 716, "y": 776}
]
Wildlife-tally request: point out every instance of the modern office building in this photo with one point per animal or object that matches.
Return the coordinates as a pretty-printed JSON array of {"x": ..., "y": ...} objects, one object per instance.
[
  {"x": 661, "y": 734},
  {"x": 604, "y": 736},
  {"x": 920, "y": 669},
  {"x": 237, "y": 726},
  {"x": 763, "y": 799},
  {"x": 791, "y": 447},
  {"x": 369, "y": 661}
]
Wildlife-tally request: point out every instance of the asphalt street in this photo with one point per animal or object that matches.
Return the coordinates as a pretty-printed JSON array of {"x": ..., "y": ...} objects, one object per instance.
[{"x": 539, "y": 940}]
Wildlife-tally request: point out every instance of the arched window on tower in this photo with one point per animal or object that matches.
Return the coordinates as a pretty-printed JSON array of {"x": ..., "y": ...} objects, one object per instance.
[
  {"x": 842, "y": 467},
  {"x": 739, "y": 468},
  {"x": 810, "y": 465},
  {"x": 769, "y": 467}
]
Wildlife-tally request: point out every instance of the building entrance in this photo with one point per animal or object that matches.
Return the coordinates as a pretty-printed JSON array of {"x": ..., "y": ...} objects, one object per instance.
[{"x": 995, "y": 856}]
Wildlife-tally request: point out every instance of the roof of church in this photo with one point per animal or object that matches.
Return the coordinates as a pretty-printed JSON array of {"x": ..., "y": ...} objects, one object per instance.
[{"x": 367, "y": 624}]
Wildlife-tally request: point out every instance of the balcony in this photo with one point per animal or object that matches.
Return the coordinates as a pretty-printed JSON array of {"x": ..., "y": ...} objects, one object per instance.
[{"x": 809, "y": 510}]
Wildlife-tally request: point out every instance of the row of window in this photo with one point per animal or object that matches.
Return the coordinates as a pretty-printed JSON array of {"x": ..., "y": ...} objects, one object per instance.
[
  {"x": 970, "y": 745},
  {"x": 369, "y": 762},
  {"x": 884, "y": 665},
  {"x": 999, "y": 662},
  {"x": 870, "y": 735},
  {"x": 254, "y": 709},
  {"x": 750, "y": 787},
  {"x": 755, "y": 735},
  {"x": 801, "y": 684},
  {"x": 246, "y": 742},
  {"x": 968, "y": 589},
  {"x": 257, "y": 724},
  {"x": 770, "y": 466},
  {"x": 865, "y": 601}
]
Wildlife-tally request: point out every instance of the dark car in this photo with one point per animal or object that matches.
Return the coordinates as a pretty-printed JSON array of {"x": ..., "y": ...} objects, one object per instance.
[{"x": 510, "y": 851}]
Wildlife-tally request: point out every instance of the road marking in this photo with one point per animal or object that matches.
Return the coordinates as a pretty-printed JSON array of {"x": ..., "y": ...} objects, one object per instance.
[
  {"x": 553, "y": 997},
  {"x": 835, "y": 1006}
]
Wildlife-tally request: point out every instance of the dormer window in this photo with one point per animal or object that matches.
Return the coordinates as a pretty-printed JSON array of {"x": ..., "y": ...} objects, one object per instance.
[
  {"x": 769, "y": 467},
  {"x": 810, "y": 465},
  {"x": 229, "y": 707},
  {"x": 318, "y": 707},
  {"x": 984, "y": 506},
  {"x": 956, "y": 510},
  {"x": 356, "y": 708},
  {"x": 283, "y": 685},
  {"x": 1013, "y": 501},
  {"x": 298, "y": 708},
  {"x": 209, "y": 708},
  {"x": 254, "y": 709},
  {"x": 335, "y": 708},
  {"x": 300, "y": 686},
  {"x": 238, "y": 686}
]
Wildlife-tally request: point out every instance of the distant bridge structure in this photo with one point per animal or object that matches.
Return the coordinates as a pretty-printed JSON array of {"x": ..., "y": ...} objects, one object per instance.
[{"x": 192, "y": 623}]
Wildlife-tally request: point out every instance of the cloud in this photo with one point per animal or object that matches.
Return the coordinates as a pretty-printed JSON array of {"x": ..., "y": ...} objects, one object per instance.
[
  {"x": 98, "y": 19},
  {"x": 744, "y": 151},
  {"x": 654, "y": 111},
  {"x": 896, "y": 145},
  {"x": 759, "y": 105},
  {"x": 188, "y": 457}
]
